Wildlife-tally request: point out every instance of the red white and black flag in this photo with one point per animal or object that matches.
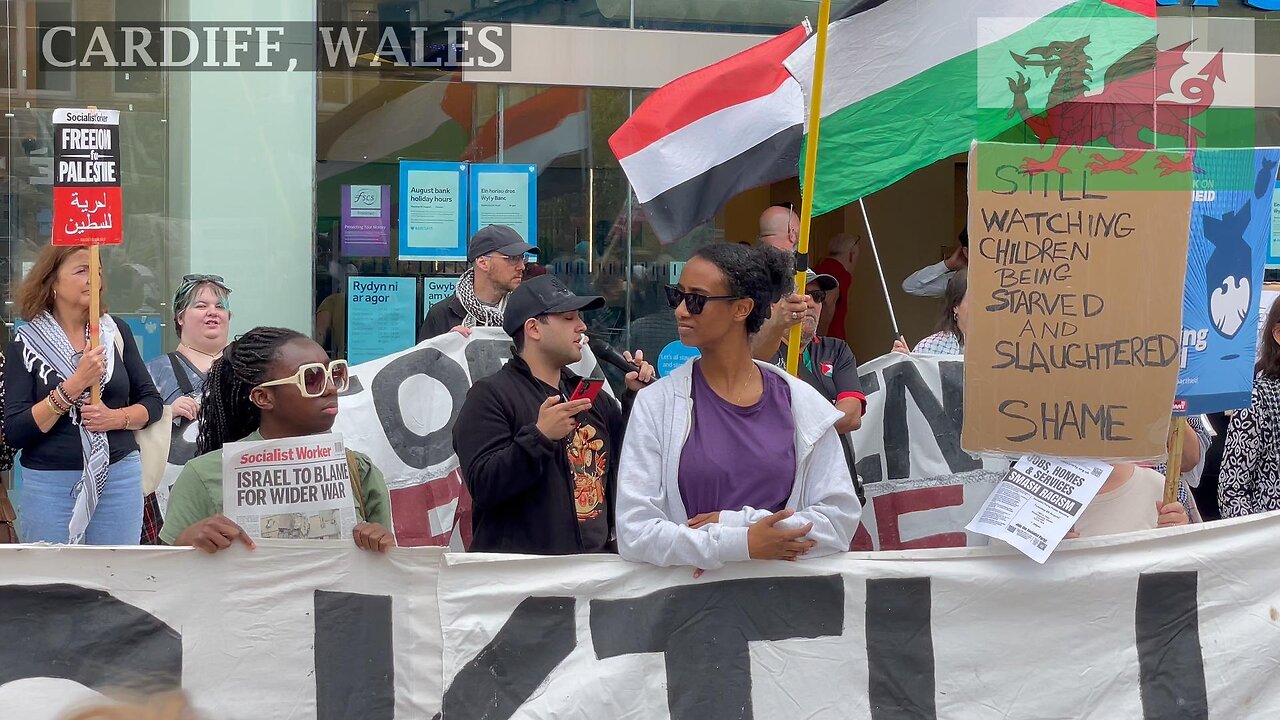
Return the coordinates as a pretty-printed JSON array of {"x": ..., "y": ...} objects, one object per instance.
[
  {"x": 709, "y": 135},
  {"x": 87, "y": 206}
]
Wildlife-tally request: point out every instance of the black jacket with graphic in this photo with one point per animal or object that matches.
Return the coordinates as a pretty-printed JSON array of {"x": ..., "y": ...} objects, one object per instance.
[{"x": 526, "y": 491}]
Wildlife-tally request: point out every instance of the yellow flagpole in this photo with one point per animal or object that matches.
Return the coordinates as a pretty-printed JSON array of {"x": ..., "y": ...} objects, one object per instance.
[{"x": 810, "y": 172}]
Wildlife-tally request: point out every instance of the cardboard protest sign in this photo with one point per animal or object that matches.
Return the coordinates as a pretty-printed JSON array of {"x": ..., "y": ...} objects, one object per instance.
[
  {"x": 1074, "y": 326},
  {"x": 1230, "y": 232},
  {"x": 1150, "y": 625},
  {"x": 295, "y": 488},
  {"x": 87, "y": 204}
]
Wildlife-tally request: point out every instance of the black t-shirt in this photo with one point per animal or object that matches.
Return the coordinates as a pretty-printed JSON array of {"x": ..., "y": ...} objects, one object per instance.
[
  {"x": 828, "y": 365},
  {"x": 59, "y": 449}
]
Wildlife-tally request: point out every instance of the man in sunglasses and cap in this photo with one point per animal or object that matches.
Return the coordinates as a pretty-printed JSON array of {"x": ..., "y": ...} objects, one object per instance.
[
  {"x": 541, "y": 465},
  {"x": 828, "y": 365},
  {"x": 497, "y": 257}
]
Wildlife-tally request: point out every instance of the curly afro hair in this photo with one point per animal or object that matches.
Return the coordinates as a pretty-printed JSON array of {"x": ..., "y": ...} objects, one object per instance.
[{"x": 761, "y": 273}]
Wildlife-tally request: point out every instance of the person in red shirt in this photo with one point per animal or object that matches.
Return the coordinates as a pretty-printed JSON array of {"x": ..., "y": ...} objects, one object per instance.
[{"x": 842, "y": 259}]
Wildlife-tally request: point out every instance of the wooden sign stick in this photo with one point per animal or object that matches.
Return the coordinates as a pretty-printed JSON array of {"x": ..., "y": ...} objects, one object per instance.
[
  {"x": 95, "y": 307},
  {"x": 1173, "y": 470}
]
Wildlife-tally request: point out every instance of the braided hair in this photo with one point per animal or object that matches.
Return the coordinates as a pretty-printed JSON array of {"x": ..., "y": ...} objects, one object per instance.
[{"x": 226, "y": 412}]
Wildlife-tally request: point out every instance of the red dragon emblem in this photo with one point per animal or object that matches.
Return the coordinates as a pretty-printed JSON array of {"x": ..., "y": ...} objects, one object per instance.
[{"x": 1127, "y": 112}]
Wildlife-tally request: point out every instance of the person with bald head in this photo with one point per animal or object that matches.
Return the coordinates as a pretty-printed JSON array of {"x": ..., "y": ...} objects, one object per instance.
[{"x": 780, "y": 228}]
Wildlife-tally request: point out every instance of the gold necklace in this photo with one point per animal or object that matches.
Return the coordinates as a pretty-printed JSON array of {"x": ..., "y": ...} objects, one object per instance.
[{"x": 201, "y": 352}]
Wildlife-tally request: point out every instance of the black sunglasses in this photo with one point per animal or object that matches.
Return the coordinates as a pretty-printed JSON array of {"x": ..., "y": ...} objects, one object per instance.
[
  {"x": 819, "y": 296},
  {"x": 693, "y": 302}
]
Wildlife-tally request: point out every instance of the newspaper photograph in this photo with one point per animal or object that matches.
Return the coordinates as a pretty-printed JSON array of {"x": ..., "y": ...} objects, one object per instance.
[
  {"x": 1038, "y": 502},
  {"x": 295, "y": 488}
]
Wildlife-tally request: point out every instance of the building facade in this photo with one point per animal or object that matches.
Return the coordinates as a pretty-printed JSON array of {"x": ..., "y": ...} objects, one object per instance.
[{"x": 241, "y": 173}]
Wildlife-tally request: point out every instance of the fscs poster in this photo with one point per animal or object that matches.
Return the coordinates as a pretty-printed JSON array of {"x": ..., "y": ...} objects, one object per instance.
[{"x": 87, "y": 206}]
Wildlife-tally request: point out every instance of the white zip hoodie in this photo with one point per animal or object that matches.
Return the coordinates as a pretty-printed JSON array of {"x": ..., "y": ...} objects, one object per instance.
[{"x": 651, "y": 520}]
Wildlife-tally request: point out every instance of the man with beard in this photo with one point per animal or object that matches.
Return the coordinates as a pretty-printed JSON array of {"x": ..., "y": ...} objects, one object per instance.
[
  {"x": 497, "y": 257},
  {"x": 828, "y": 365}
]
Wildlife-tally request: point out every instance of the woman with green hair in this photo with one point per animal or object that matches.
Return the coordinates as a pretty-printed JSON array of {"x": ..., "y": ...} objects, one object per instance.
[{"x": 202, "y": 321}]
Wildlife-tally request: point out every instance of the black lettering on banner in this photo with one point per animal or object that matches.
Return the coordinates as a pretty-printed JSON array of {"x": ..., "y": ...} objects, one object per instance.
[
  {"x": 485, "y": 357},
  {"x": 900, "y": 670},
  {"x": 413, "y": 449},
  {"x": 870, "y": 468},
  {"x": 180, "y": 450},
  {"x": 537, "y": 637},
  {"x": 698, "y": 627},
  {"x": 88, "y": 636},
  {"x": 945, "y": 419},
  {"x": 355, "y": 663},
  {"x": 1170, "y": 661}
]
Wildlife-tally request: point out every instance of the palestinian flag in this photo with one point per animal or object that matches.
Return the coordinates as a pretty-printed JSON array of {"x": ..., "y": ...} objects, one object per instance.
[
  {"x": 707, "y": 136},
  {"x": 910, "y": 82}
]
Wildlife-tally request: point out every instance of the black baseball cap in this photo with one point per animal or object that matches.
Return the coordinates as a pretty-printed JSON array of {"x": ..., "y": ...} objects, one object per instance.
[
  {"x": 543, "y": 295},
  {"x": 497, "y": 238},
  {"x": 825, "y": 282}
]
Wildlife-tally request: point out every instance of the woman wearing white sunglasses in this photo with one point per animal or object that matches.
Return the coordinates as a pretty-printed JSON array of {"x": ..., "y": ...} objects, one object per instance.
[{"x": 271, "y": 383}]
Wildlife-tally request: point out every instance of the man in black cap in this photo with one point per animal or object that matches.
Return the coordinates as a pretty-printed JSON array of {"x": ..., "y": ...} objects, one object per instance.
[
  {"x": 828, "y": 365},
  {"x": 541, "y": 467},
  {"x": 497, "y": 257}
]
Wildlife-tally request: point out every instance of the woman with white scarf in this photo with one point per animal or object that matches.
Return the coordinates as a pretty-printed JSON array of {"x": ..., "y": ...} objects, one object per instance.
[{"x": 81, "y": 471}]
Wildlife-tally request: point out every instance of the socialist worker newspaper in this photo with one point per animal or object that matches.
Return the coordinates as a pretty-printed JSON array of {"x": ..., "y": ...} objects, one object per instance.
[{"x": 290, "y": 488}]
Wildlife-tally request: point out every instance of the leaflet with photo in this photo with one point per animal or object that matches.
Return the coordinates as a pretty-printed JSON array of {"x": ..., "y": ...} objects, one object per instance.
[
  {"x": 289, "y": 489},
  {"x": 1038, "y": 502}
]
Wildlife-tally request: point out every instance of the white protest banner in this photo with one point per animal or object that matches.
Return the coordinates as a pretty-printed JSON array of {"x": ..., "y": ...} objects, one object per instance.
[
  {"x": 1165, "y": 624},
  {"x": 289, "y": 489},
  {"x": 400, "y": 411},
  {"x": 292, "y": 629},
  {"x": 921, "y": 487},
  {"x": 1036, "y": 505}
]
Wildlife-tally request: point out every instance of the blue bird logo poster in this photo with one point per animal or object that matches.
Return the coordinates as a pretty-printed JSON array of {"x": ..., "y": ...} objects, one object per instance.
[{"x": 1230, "y": 235}]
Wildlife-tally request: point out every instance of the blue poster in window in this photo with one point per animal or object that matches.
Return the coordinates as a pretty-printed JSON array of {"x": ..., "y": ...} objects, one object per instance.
[
  {"x": 147, "y": 333},
  {"x": 1230, "y": 238},
  {"x": 433, "y": 210},
  {"x": 381, "y": 316},
  {"x": 505, "y": 195}
]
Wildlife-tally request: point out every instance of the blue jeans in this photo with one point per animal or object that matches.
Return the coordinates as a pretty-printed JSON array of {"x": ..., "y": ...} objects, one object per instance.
[{"x": 47, "y": 502}]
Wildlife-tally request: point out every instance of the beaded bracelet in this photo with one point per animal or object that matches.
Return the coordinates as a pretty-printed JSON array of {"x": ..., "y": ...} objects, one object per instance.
[
  {"x": 53, "y": 405},
  {"x": 64, "y": 396}
]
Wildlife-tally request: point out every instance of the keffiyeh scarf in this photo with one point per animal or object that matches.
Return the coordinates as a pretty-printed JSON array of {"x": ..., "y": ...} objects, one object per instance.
[
  {"x": 479, "y": 314},
  {"x": 44, "y": 342}
]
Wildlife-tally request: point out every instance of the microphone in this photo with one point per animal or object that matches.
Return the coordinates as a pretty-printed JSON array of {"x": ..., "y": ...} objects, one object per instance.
[{"x": 604, "y": 352}]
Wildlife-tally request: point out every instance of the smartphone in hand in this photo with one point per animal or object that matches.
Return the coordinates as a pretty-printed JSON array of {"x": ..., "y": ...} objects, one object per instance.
[{"x": 587, "y": 389}]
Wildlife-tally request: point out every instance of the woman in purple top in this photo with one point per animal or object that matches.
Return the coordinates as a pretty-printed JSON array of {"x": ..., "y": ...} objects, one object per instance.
[{"x": 726, "y": 458}]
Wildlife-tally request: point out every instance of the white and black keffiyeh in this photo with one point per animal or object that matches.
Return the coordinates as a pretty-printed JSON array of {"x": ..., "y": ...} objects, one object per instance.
[
  {"x": 479, "y": 314},
  {"x": 43, "y": 341}
]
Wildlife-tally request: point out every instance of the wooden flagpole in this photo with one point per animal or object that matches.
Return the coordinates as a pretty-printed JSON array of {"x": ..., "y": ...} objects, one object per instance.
[{"x": 810, "y": 172}]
